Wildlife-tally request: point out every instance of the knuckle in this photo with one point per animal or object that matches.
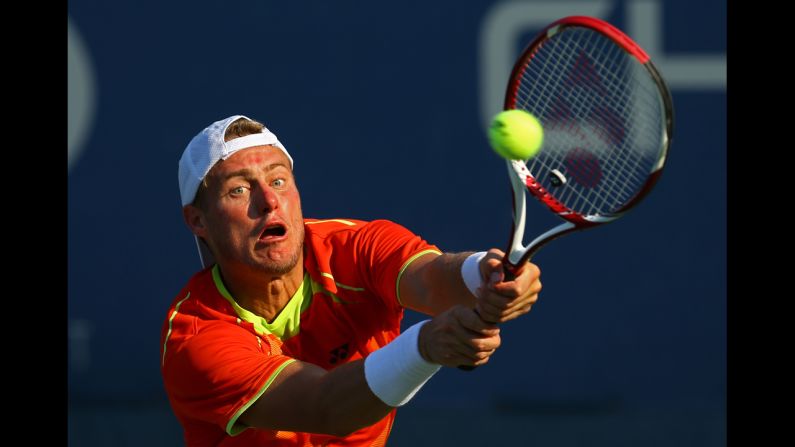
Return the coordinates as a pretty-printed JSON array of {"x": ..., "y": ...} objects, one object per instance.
[
  {"x": 512, "y": 292},
  {"x": 496, "y": 251}
]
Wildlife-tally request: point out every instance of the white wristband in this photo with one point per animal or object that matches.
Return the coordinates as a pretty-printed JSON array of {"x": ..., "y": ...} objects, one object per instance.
[
  {"x": 397, "y": 371},
  {"x": 470, "y": 271}
]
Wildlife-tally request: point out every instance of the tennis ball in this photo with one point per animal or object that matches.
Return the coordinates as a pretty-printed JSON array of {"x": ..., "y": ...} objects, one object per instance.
[{"x": 516, "y": 134}]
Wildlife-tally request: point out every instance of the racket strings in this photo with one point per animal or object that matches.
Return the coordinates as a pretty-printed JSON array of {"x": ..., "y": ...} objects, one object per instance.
[
  {"x": 587, "y": 169},
  {"x": 602, "y": 117},
  {"x": 583, "y": 72}
]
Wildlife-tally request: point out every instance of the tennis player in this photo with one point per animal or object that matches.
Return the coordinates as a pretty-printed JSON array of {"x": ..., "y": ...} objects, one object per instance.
[{"x": 290, "y": 335}]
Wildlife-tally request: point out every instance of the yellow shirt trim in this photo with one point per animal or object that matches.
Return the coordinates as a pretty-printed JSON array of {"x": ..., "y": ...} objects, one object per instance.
[
  {"x": 232, "y": 427},
  {"x": 405, "y": 265},
  {"x": 170, "y": 322},
  {"x": 342, "y": 221}
]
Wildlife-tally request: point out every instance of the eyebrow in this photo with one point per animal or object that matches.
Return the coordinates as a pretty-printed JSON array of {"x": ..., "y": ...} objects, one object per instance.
[{"x": 248, "y": 172}]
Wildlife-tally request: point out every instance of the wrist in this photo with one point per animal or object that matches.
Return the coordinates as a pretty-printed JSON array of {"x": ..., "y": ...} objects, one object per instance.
[
  {"x": 423, "y": 350},
  {"x": 470, "y": 272},
  {"x": 397, "y": 371}
]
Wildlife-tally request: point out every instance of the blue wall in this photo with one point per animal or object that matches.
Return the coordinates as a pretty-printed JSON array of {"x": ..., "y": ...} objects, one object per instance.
[{"x": 382, "y": 106}]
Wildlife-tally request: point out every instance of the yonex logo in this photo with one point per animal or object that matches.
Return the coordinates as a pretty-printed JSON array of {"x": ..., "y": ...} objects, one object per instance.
[{"x": 339, "y": 353}]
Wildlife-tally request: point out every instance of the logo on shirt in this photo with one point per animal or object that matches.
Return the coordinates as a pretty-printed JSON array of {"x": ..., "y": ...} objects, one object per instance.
[{"x": 339, "y": 353}]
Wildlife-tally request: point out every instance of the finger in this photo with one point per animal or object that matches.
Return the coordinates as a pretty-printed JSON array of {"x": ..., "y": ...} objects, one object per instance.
[
  {"x": 502, "y": 300},
  {"x": 517, "y": 313},
  {"x": 472, "y": 349},
  {"x": 460, "y": 354},
  {"x": 474, "y": 342},
  {"x": 517, "y": 290},
  {"x": 485, "y": 344},
  {"x": 478, "y": 349},
  {"x": 498, "y": 311},
  {"x": 470, "y": 320},
  {"x": 480, "y": 359},
  {"x": 528, "y": 273},
  {"x": 491, "y": 267},
  {"x": 489, "y": 310},
  {"x": 452, "y": 351},
  {"x": 522, "y": 306},
  {"x": 519, "y": 302},
  {"x": 508, "y": 289}
]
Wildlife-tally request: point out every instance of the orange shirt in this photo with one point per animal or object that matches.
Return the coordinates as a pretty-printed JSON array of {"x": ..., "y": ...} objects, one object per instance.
[{"x": 217, "y": 358}]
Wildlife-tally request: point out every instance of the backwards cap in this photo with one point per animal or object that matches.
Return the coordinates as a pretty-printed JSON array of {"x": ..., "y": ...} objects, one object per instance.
[{"x": 208, "y": 148}]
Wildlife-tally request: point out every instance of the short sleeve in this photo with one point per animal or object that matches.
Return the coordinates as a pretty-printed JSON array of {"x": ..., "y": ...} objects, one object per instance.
[
  {"x": 219, "y": 372},
  {"x": 383, "y": 250}
]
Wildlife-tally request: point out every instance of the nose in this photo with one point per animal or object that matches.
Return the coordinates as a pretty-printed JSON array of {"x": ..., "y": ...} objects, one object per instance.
[{"x": 266, "y": 200}]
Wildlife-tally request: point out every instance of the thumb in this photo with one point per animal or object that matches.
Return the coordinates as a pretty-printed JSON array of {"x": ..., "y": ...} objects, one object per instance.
[{"x": 492, "y": 269}]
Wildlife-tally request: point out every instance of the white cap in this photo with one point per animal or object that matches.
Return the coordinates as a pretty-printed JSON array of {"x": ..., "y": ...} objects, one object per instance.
[
  {"x": 208, "y": 148},
  {"x": 204, "y": 151}
]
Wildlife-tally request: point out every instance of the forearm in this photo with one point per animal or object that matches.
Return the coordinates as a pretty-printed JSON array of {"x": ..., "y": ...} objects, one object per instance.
[
  {"x": 433, "y": 284},
  {"x": 343, "y": 402},
  {"x": 306, "y": 398}
]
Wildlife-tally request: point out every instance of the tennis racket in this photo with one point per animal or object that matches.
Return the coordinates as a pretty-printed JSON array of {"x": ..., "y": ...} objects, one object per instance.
[{"x": 608, "y": 121}]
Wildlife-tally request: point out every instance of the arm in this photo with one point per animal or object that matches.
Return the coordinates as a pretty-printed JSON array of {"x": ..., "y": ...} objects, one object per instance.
[
  {"x": 433, "y": 284},
  {"x": 307, "y": 398}
]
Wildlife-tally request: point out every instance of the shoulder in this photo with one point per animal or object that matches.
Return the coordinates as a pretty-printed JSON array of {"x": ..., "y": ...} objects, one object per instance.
[
  {"x": 326, "y": 227},
  {"x": 351, "y": 237},
  {"x": 197, "y": 308},
  {"x": 342, "y": 228},
  {"x": 207, "y": 345},
  {"x": 199, "y": 295}
]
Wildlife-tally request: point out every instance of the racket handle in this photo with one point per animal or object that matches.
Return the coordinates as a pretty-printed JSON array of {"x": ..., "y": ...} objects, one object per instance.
[
  {"x": 509, "y": 269},
  {"x": 509, "y": 276}
]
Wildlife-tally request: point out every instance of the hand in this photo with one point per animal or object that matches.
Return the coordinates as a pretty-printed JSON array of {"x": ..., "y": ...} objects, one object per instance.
[
  {"x": 500, "y": 301},
  {"x": 458, "y": 337}
]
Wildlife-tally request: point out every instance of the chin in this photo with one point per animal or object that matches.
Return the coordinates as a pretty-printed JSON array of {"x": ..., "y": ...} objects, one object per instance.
[{"x": 280, "y": 266}]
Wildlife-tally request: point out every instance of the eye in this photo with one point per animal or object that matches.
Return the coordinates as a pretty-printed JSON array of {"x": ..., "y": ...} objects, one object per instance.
[
  {"x": 237, "y": 191},
  {"x": 279, "y": 183}
]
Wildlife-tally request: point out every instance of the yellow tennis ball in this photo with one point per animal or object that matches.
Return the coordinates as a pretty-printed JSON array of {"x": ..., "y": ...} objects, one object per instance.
[{"x": 516, "y": 134}]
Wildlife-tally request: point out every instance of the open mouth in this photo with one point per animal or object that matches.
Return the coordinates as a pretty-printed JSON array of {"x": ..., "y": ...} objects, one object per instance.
[{"x": 273, "y": 231}]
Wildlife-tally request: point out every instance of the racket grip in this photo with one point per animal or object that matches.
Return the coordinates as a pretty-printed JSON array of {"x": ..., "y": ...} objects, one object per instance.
[
  {"x": 509, "y": 269},
  {"x": 509, "y": 275}
]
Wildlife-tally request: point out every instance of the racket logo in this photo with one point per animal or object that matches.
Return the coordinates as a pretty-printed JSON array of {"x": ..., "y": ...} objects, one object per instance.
[{"x": 583, "y": 167}]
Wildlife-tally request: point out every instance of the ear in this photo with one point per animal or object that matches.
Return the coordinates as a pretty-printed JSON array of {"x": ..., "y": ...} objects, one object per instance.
[{"x": 194, "y": 218}]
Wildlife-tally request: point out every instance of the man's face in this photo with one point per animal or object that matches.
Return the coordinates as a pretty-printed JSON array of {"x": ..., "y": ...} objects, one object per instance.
[{"x": 252, "y": 211}]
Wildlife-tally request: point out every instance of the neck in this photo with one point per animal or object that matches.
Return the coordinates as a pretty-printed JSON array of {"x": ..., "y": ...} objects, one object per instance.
[{"x": 262, "y": 293}]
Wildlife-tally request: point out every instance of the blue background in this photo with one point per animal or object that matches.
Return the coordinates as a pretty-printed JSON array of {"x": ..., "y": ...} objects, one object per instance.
[{"x": 378, "y": 102}]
